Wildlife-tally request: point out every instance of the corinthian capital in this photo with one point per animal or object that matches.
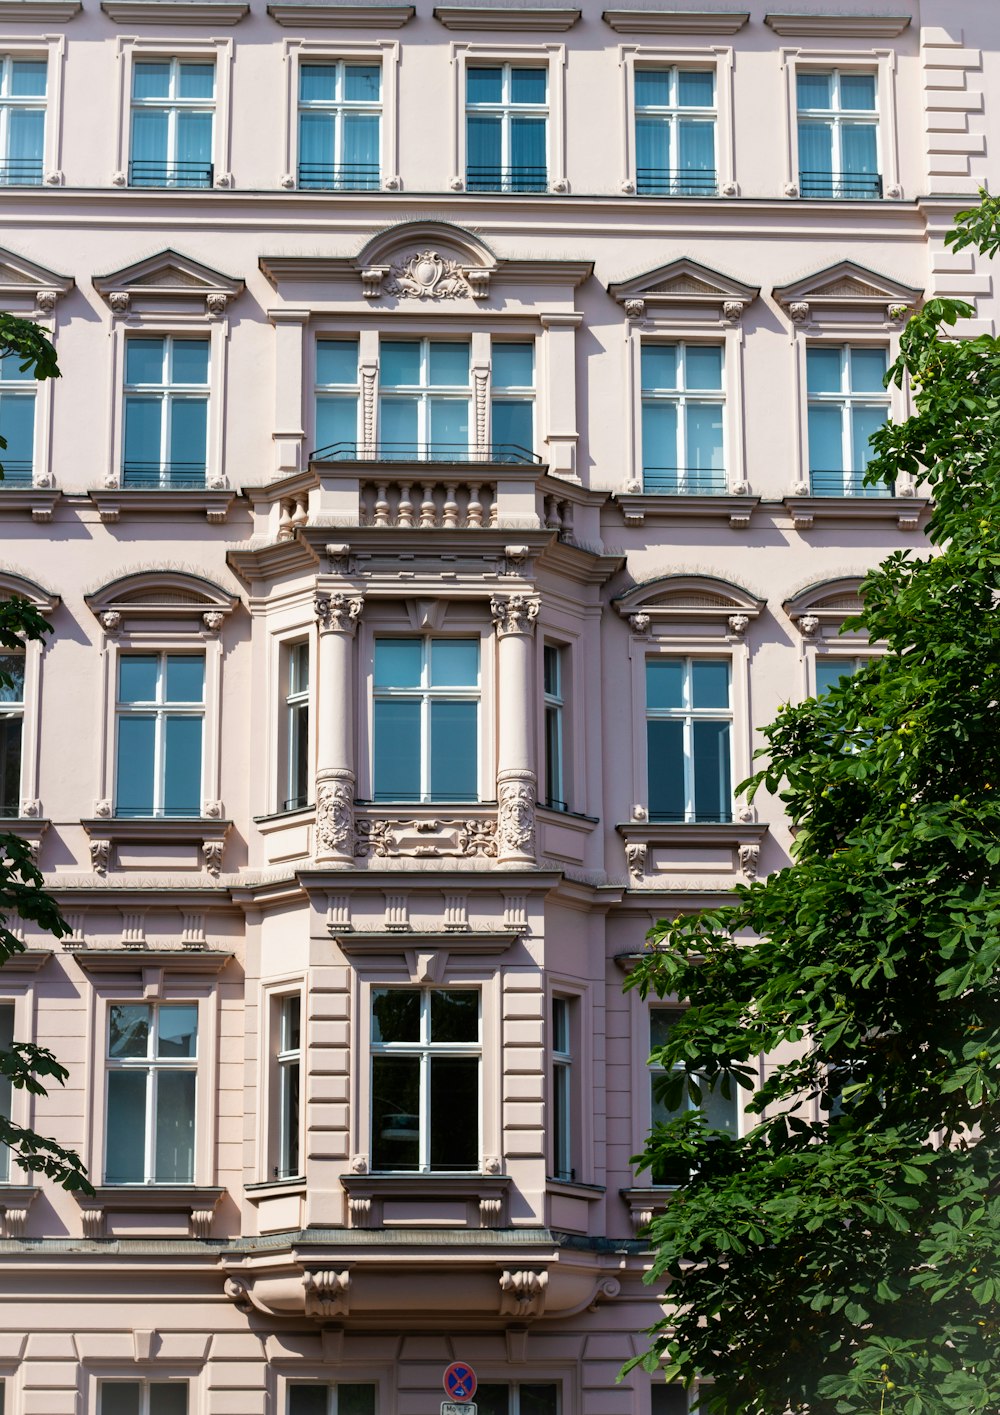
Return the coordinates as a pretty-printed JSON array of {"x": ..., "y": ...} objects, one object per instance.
[
  {"x": 338, "y": 613},
  {"x": 514, "y": 614}
]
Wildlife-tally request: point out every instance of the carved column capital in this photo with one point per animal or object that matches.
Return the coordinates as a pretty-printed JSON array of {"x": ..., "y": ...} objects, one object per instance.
[
  {"x": 514, "y": 614},
  {"x": 338, "y": 613}
]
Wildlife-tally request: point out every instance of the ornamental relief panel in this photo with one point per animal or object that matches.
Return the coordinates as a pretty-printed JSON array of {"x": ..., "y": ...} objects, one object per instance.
[{"x": 425, "y": 839}]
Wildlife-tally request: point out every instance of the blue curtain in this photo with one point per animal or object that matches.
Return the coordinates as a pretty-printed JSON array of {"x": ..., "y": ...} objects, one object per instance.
[
  {"x": 25, "y": 145},
  {"x": 194, "y": 149},
  {"x": 529, "y": 170},
  {"x": 483, "y": 144},
  {"x": 816, "y": 159},
  {"x": 149, "y": 147},
  {"x": 361, "y": 151},
  {"x": 696, "y": 151},
  {"x": 316, "y": 149},
  {"x": 17, "y": 425}
]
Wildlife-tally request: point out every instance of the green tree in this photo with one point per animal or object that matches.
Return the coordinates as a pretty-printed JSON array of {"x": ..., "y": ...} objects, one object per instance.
[
  {"x": 22, "y": 895},
  {"x": 844, "y": 1254}
]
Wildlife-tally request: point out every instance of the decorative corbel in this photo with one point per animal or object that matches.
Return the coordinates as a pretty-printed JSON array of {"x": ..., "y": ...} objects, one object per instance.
[{"x": 371, "y": 281}]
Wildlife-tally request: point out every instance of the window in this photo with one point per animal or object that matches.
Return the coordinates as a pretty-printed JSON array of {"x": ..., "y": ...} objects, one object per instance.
[
  {"x": 297, "y": 774},
  {"x": 675, "y": 132},
  {"x": 17, "y": 422},
  {"x": 552, "y": 665},
  {"x": 11, "y": 732},
  {"x": 424, "y": 400},
  {"x": 518, "y": 1399},
  {"x": 426, "y": 720},
  {"x": 682, "y": 411},
  {"x": 143, "y": 1397},
  {"x": 166, "y": 412},
  {"x": 22, "y": 121},
  {"x": 339, "y": 126},
  {"x": 513, "y": 402},
  {"x": 289, "y": 1062},
  {"x": 688, "y": 730},
  {"x": 669, "y": 1400},
  {"x": 161, "y": 709},
  {"x": 6, "y": 1090},
  {"x": 506, "y": 128},
  {"x": 720, "y": 1113},
  {"x": 425, "y": 1079},
  {"x": 847, "y": 401},
  {"x": 173, "y": 106},
  {"x": 312, "y": 1398},
  {"x": 337, "y": 398},
  {"x": 562, "y": 1089},
  {"x": 838, "y": 134},
  {"x": 830, "y": 672},
  {"x": 151, "y": 1065}
]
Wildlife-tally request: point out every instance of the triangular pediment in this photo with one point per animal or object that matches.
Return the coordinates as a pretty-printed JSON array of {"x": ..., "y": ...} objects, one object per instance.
[
  {"x": 168, "y": 275},
  {"x": 684, "y": 282},
  {"x": 847, "y": 284},
  {"x": 21, "y": 278}
]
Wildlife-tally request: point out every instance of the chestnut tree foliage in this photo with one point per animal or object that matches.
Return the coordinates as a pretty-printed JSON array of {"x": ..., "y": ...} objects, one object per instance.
[
  {"x": 843, "y": 1256},
  {"x": 22, "y": 896}
]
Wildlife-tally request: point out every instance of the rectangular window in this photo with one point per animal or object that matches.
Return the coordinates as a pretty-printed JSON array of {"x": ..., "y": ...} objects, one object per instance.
[
  {"x": 555, "y": 789},
  {"x": 669, "y": 1400},
  {"x": 688, "y": 732},
  {"x": 682, "y": 419},
  {"x": 314, "y": 1398},
  {"x": 142, "y": 1398},
  {"x": 17, "y": 421},
  {"x": 675, "y": 132},
  {"x": 838, "y": 134},
  {"x": 426, "y": 1051},
  {"x": 720, "y": 1113},
  {"x": 830, "y": 672},
  {"x": 166, "y": 412},
  {"x": 289, "y": 1064},
  {"x": 297, "y": 774},
  {"x": 562, "y": 1089},
  {"x": 336, "y": 399},
  {"x": 11, "y": 732},
  {"x": 513, "y": 402},
  {"x": 340, "y": 115},
  {"x": 426, "y": 720},
  {"x": 151, "y": 1075},
  {"x": 506, "y": 117},
  {"x": 173, "y": 111},
  {"x": 847, "y": 402},
  {"x": 161, "y": 712},
  {"x": 22, "y": 121},
  {"x": 542, "y": 1399},
  {"x": 6, "y": 1090},
  {"x": 424, "y": 400}
]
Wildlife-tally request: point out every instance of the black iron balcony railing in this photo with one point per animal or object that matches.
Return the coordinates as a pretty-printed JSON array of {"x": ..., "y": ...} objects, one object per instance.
[
  {"x": 690, "y": 817},
  {"x": 192, "y": 811},
  {"x": 841, "y": 186},
  {"x": 672, "y": 182},
  {"x": 506, "y": 452},
  {"x": 151, "y": 173},
  {"x": 833, "y": 483},
  {"x": 348, "y": 177},
  {"x": 21, "y": 172},
  {"x": 163, "y": 476},
  {"x": 15, "y": 473},
  {"x": 506, "y": 179},
  {"x": 295, "y": 803},
  {"x": 685, "y": 481}
]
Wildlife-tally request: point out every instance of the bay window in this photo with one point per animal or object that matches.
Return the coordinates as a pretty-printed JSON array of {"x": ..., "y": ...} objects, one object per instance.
[
  {"x": 173, "y": 112},
  {"x": 720, "y": 1112},
  {"x": 17, "y": 421},
  {"x": 11, "y": 732},
  {"x": 688, "y": 739},
  {"x": 337, "y": 398},
  {"x": 682, "y": 418},
  {"x": 297, "y": 762},
  {"x": 160, "y": 729},
  {"x": 166, "y": 412},
  {"x": 424, "y": 399},
  {"x": 289, "y": 1077},
  {"x": 23, "y": 84},
  {"x": 513, "y": 402},
  {"x": 506, "y": 107},
  {"x": 847, "y": 402},
  {"x": 838, "y": 134},
  {"x": 426, "y": 720},
  {"x": 6, "y": 1089},
  {"x": 562, "y": 1089},
  {"x": 339, "y": 126},
  {"x": 151, "y": 1078},
  {"x": 552, "y": 669},
  {"x": 675, "y": 123}
]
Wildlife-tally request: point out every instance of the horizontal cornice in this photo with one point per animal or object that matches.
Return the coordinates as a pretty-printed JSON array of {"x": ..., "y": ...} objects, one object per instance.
[{"x": 676, "y": 21}]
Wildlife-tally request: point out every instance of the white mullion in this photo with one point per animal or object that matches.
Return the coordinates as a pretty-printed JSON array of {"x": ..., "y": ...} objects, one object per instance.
[
  {"x": 151, "y": 1096},
  {"x": 337, "y": 109},
  {"x": 164, "y": 395},
  {"x": 846, "y": 449},
  {"x": 424, "y": 1158},
  {"x": 425, "y": 720},
  {"x": 159, "y": 734}
]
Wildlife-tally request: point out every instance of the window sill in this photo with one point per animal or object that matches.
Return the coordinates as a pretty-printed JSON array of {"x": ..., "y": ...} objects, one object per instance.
[
  {"x": 575, "y": 820},
  {"x": 198, "y": 1201},
  {"x": 40, "y": 501},
  {"x": 422, "y": 1200},
  {"x": 645, "y": 1204},
  {"x": 650, "y": 864},
  {"x": 113, "y": 502},
  {"x": 575, "y": 1189},
  {"x": 906, "y": 511},
  {"x": 15, "y": 1201},
  {"x": 265, "y": 1188},
  {"x": 198, "y": 834},
  {"x": 736, "y": 508},
  {"x": 30, "y": 829},
  {"x": 425, "y": 830}
]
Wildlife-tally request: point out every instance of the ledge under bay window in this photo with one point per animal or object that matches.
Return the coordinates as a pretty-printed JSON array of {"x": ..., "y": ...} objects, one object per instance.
[
  {"x": 404, "y": 1200},
  {"x": 117, "y": 1211}
]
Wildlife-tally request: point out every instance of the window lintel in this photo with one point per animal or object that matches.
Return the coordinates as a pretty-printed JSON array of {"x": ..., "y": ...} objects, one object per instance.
[
  {"x": 684, "y": 285},
  {"x": 168, "y": 280},
  {"x": 678, "y": 599},
  {"x": 25, "y": 285},
  {"x": 846, "y": 287}
]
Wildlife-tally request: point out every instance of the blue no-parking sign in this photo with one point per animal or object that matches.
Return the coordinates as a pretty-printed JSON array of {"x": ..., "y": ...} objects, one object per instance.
[{"x": 459, "y": 1382}]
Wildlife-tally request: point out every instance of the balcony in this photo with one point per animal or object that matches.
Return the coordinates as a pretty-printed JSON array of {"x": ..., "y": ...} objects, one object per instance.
[
  {"x": 21, "y": 172},
  {"x": 674, "y": 182},
  {"x": 841, "y": 186},
  {"x": 506, "y": 179},
  {"x": 837, "y": 483},
  {"x": 497, "y": 453},
  {"x": 347, "y": 177},
  {"x": 163, "y": 476},
  {"x": 153, "y": 173},
  {"x": 685, "y": 481}
]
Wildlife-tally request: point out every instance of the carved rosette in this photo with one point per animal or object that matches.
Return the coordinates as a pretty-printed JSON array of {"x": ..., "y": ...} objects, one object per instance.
[
  {"x": 338, "y": 613},
  {"x": 335, "y": 814},
  {"x": 514, "y": 614},
  {"x": 516, "y": 816}
]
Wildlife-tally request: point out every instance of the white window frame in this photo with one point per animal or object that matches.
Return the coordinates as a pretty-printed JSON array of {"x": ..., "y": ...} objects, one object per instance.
[
  {"x": 671, "y": 114},
  {"x": 846, "y": 399},
  {"x": 338, "y": 108},
  {"x": 16, "y": 388},
  {"x": 172, "y": 105},
  {"x": 18, "y": 991},
  {"x": 675, "y": 1010},
  {"x": 883, "y": 62},
  {"x": 34, "y": 652},
  {"x": 152, "y": 1066},
  {"x": 130, "y": 49},
  {"x": 424, "y": 391},
  {"x": 837, "y": 118},
  {"x": 332, "y": 1391},
  {"x": 549, "y": 56},
  {"x": 287, "y": 1059},
  {"x": 144, "y": 1382},
  {"x": 717, "y": 57},
  {"x": 688, "y": 716},
  {"x": 167, "y": 393},
  {"x": 513, "y": 393},
  {"x": 514, "y": 1387},
  {"x": 297, "y": 703},
  {"x": 565, "y": 1068},
  {"x": 11, "y": 710},
  {"x": 332, "y": 391},
  {"x": 10, "y": 102},
  {"x": 554, "y": 703},
  {"x": 680, "y": 397},
  {"x": 296, "y": 52},
  {"x": 506, "y": 109},
  {"x": 850, "y": 662},
  {"x": 159, "y": 709},
  {"x": 51, "y": 48}
]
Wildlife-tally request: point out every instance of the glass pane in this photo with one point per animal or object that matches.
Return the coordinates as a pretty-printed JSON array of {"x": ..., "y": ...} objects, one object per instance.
[
  {"x": 11, "y": 371},
  {"x": 668, "y": 1400},
  {"x": 513, "y": 365},
  {"x": 361, "y": 149},
  {"x": 149, "y": 146},
  {"x": 816, "y": 159},
  {"x": 539, "y": 1399},
  {"x": 185, "y": 678},
  {"x": 449, "y": 427},
  {"x": 659, "y": 366},
  {"x": 652, "y": 155},
  {"x": 337, "y": 361},
  {"x": 308, "y": 1399},
  {"x": 652, "y": 88},
  {"x": 712, "y": 790},
  {"x": 660, "y": 1024},
  {"x": 142, "y": 432},
  {"x": 552, "y": 670},
  {"x": 182, "y": 767},
  {"x": 695, "y": 88},
  {"x": 864, "y": 421},
  {"x": 560, "y": 1024},
  {"x": 120, "y": 1397},
  {"x": 129, "y": 1029},
  {"x": 704, "y": 442},
  {"x": 17, "y": 426},
  {"x": 395, "y": 1112},
  {"x": 454, "y": 663},
  {"x": 867, "y": 370},
  {"x": 397, "y": 663},
  {"x": 177, "y": 1024},
  {"x": 362, "y": 82},
  {"x": 298, "y": 668},
  {"x": 144, "y": 361},
  {"x": 814, "y": 89},
  {"x": 12, "y": 665},
  {"x": 10, "y": 768},
  {"x": 151, "y": 80},
  {"x": 27, "y": 78},
  {"x": 316, "y": 149},
  {"x": 857, "y": 91},
  {"x": 484, "y": 145},
  {"x": 665, "y": 753},
  {"x": 483, "y": 85},
  {"x": 397, "y": 751},
  {"x": 168, "y": 1397},
  {"x": 194, "y": 145},
  {"x": 398, "y": 426},
  {"x": 823, "y": 370},
  {"x": 513, "y": 429},
  {"x": 454, "y": 1112},
  {"x": 188, "y": 435},
  {"x": 399, "y": 363},
  {"x": 337, "y": 426},
  {"x": 190, "y": 361},
  {"x": 134, "y": 775},
  {"x": 291, "y": 1023},
  {"x": 665, "y": 683},
  {"x": 448, "y": 365},
  {"x": 709, "y": 683},
  {"x": 395, "y": 1015},
  {"x": 454, "y": 1015},
  {"x": 696, "y": 154},
  {"x": 527, "y": 148},
  {"x": 137, "y": 678},
  {"x": 831, "y": 671},
  {"x": 318, "y": 83},
  {"x": 175, "y": 1127},
  {"x": 454, "y": 751},
  {"x": 527, "y": 85},
  {"x": 860, "y": 152},
  {"x": 493, "y": 1399},
  {"x": 659, "y": 442},
  {"x": 356, "y": 1400},
  {"x": 720, "y": 1113},
  {"x": 26, "y": 143},
  {"x": 826, "y": 449},
  {"x": 125, "y": 1150},
  {"x": 196, "y": 81}
]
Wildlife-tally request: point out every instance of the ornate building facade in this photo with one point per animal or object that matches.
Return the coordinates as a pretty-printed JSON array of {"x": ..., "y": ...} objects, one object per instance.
[{"x": 458, "y": 455}]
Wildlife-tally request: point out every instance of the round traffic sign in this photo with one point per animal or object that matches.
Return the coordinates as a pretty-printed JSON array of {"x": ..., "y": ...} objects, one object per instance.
[{"x": 459, "y": 1381}]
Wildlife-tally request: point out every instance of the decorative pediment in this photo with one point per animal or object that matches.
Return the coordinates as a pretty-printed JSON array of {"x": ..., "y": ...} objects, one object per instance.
[
  {"x": 13, "y": 586},
  {"x": 684, "y": 286},
  {"x": 846, "y": 286},
  {"x": 166, "y": 277},
  {"x": 689, "y": 599},
  {"x": 162, "y": 595},
  {"x": 24, "y": 285},
  {"x": 828, "y": 602}
]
